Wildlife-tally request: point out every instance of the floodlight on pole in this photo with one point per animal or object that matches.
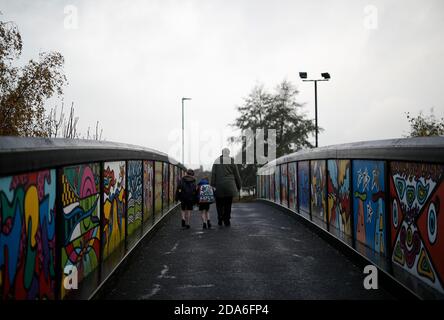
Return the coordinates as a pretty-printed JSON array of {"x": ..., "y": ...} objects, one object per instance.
[{"x": 326, "y": 77}]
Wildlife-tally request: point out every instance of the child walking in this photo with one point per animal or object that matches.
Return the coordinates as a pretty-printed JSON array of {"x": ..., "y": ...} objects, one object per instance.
[
  {"x": 186, "y": 194},
  {"x": 205, "y": 194}
]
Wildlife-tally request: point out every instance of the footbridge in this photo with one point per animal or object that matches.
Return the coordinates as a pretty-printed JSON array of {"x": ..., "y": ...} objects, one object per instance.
[{"x": 98, "y": 220}]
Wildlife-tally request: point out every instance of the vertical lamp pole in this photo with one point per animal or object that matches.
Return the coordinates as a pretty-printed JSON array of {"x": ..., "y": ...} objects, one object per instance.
[
  {"x": 183, "y": 131},
  {"x": 326, "y": 76},
  {"x": 316, "y": 110}
]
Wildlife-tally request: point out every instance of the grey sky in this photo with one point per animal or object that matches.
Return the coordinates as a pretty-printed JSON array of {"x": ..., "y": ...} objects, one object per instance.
[{"x": 129, "y": 62}]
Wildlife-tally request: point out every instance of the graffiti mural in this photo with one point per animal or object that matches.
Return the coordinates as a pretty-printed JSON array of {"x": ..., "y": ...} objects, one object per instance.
[
  {"x": 416, "y": 193},
  {"x": 81, "y": 219},
  {"x": 171, "y": 184},
  {"x": 265, "y": 187},
  {"x": 259, "y": 186},
  {"x": 165, "y": 186},
  {"x": 339, "y": 206},
  {"x": 277, "y": 185},
  {"x": 292, "y": 186},
  {"x": 114, "y": 202},
  {"x": 176, "y": 182},
  {"x": 284, "y": 185},
  {"x": 262, "y": 188},
  {"x": 148, "y": 195},
  {"x": 319, "y": 192},
  {"x": 272, "y": 187},
  {"x": 304, "y": 187},
  {"x": 27, "y": 236},
  {"x": 369, "y": 204},
  {"x": 134, "y": 215},
  {"x": 158, "y": 187}
]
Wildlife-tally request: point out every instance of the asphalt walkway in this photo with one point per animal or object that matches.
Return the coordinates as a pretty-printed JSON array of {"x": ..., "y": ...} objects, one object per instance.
[{"x": 264, "y": 254}]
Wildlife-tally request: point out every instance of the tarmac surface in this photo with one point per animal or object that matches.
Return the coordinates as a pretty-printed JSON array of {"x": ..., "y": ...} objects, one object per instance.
[{"x": 264, "y": 255}]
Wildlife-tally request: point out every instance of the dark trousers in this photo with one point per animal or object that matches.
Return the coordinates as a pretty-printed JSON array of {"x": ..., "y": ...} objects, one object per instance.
[{"x": 223, "y": 206}]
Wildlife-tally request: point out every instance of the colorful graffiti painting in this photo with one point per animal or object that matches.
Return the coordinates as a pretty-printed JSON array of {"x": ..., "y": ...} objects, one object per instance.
[
  {"x": 338, "y": 186},
  {"x": 165, "y": 181},
  {"x": 277, "y": 185},
  {"x": 262, "y": 186},
  {"x": 284, "y": 185},
  {"x": 176, "y": 181},
  {"x": 272, "y": 187},
  {"x": 158, "y": 187},
  {"x": 81, "y": 214},
  {"x": 171, "y": 184},
  {"x": 369, "y": 204},
  {"x": 292, "y": 186},
  {"x": 266, "y": 181},
  {"x": 114, "y": 206},
  {"x": 27, "y": 236},
  {"x": 134, "y": 215},
  {"x": 416, "y": 193},
  {"x": 148, "y": 195},
  {"x": 319, "y": 192},
  {"x": 259, "y": 186},
  {"x": 304, "y": 187}
]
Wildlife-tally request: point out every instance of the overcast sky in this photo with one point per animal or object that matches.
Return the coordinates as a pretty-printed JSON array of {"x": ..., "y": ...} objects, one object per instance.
[{"x": 128, "y": 63}]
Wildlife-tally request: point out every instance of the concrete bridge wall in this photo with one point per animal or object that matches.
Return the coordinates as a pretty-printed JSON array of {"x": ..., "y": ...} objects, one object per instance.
[
  {"x": 385, "y": 199},
  {"x": 70, "y": 207}
]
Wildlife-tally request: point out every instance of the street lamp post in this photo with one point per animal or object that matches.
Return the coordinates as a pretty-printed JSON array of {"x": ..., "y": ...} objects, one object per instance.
[
  {"x": 183, "y": 131},
  {"x": 326, "y": 77}
]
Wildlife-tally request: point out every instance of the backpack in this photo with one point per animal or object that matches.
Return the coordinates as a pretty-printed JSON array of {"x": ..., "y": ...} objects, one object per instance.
[
  {"x": 187, "y": 191},
  {"x": 206, "y": 194}
]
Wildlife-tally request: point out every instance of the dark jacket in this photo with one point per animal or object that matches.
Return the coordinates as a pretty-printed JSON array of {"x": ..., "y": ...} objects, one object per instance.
[
  {"x": 225, "y": 177},
  {"x": 186, "y": 190}
]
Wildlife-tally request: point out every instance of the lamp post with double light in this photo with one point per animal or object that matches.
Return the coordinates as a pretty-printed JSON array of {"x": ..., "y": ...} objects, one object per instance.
[{"x": 326, "y": 77}]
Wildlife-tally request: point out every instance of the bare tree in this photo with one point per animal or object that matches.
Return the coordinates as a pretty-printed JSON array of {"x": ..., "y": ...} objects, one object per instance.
[
  {"x": 54, "y": 122},
  {"x": 66, "y": 126}
]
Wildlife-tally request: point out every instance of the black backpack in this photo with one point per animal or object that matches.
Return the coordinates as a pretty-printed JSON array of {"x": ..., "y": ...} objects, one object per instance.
[{"x": 187, "y": 191}]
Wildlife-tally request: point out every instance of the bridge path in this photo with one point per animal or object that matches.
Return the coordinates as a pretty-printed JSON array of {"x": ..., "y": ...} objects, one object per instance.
[{"x": 264, "y": 254}]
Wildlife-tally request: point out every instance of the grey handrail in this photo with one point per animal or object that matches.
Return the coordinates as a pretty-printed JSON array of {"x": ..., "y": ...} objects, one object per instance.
[
  {"x": 19, "y": 154},
  {"x": 427, "y": 149}
]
